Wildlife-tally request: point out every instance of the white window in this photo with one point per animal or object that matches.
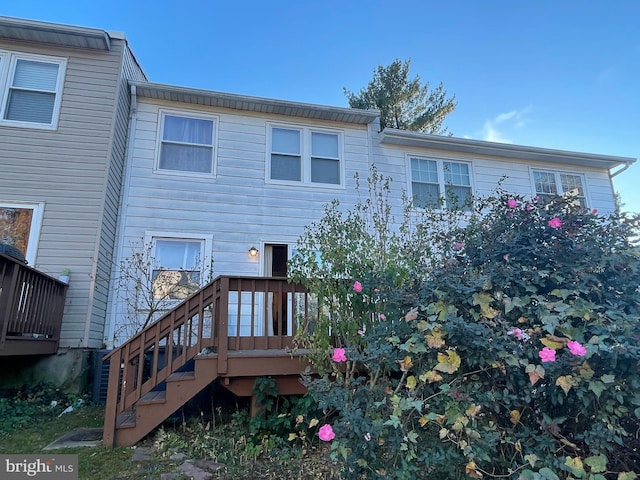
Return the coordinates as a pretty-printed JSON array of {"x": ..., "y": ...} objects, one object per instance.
[
  {"x": 31, "y": 89},
  {"x": 440, "y": 183},
  {"x": 186, "y": 143},
  {"x": 549, "y": 185},
  {"x": 20, "y": 227},
  {"x": 305, "y": 155},
  {"x": 177, "y": 267}
]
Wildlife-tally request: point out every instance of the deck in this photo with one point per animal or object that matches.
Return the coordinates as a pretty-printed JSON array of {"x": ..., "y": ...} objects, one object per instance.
[
  {"x": 234, "y": 329},
  {"x": 31, "y": 309}
]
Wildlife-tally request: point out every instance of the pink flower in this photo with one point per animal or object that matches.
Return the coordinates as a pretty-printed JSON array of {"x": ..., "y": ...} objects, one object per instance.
[
  {"x": 506, "y": 257},
  {"x": 516, "y": 332},
  {"x": 458, "y": 246},
  {"x": 547, "y": 354},
  {"x": 594, "y": 211},
  {"x": 339, "y": 355},
  {"x": 376, "y": 290},
  {"x": 326, "y": 433},
  {"x": 528, "y": 208},
  {"x": 361, "y": 332},
  {"x": 382, "y": 316},
  {"x": 576, "y": 348},
  {"x": 357, "y": 287},
  {"x": 555, "y": 222},
  {"x": 511, "y": 203}
]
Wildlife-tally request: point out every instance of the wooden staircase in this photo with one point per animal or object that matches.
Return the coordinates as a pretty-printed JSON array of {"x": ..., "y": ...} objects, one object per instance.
[{"x": 160, "y": 369}]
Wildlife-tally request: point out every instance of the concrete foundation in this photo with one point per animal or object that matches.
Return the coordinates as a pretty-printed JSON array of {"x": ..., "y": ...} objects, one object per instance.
[{"x": 68, "y": 370}]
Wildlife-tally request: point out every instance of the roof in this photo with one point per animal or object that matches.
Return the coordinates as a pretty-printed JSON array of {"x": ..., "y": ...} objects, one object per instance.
[
  {"x": 56, "y": 34},
  {"x": 405, "y": 138},
  {"x": 253, "y": 104}
]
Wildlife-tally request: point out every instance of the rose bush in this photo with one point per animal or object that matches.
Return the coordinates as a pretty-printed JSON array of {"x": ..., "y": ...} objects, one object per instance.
[{"x": 513, "y": 353}]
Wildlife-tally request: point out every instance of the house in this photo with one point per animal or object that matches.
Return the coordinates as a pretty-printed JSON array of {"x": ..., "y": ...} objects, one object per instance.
[
  {"x": 233, "y": 180},
  {"x": 64, "y": 114},
  {"x": 212, "y": 175},
  {"x": 100, "y": 167}
]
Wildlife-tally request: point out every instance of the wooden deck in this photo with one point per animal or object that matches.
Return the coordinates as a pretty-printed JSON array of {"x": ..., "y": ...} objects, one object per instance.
[
  {"x": 31, "y": 309},
  {"x": 235, "y": 329}
]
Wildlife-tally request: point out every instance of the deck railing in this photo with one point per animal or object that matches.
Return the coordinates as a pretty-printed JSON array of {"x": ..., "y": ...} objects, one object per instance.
[
  {"x": 31, "y": 309},
  {"x": 230, "y": 313}
]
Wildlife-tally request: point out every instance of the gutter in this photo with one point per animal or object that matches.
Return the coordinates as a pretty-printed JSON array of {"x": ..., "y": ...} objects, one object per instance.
[{"x": 627, "y": 164}]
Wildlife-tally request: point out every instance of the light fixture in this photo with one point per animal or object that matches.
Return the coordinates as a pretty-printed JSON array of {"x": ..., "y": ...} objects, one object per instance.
[{"x": 253, "y": 251}]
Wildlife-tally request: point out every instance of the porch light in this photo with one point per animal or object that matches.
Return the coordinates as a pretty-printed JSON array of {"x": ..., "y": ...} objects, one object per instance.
[{"x": 253, "y": 251}]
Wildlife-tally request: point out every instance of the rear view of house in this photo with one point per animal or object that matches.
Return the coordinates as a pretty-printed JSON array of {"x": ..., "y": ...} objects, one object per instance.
[{"x": 64, "y": 108}]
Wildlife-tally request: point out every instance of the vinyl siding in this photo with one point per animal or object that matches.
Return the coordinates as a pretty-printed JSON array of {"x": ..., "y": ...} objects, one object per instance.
[
  {"x": 237, "y": 206},
  {"x": 130, "y": 70},
  {"x": 66, "y": 169},
  {"x": 489, "y": 173}
]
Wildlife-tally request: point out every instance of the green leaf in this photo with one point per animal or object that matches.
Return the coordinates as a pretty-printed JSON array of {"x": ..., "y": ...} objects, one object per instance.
[
  {"x": 576, "y": 466},
  {"x": 393, "y": 421},
  {"x": 528, "y": 475},
  {"x": 627, "y": 476},
  {"x": 608, "y": 378},
  {"x": 597, "y": 388},
  {"x": 598, "y": 463},
  {"x": 484, "y": 300},
  {"x": 532, "y": 458},
  {"x": 548, "y": 474},
  {"x": 562, "y": 293}
]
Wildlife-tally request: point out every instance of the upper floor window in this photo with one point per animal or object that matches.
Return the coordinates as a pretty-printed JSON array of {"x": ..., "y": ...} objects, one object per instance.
[
  {"x": 187, "y": 144},
  {"x": 305, "y": 155},
  {"x": 31, "y": 89},
  {"x": 552, "y": 184},
  {"x": 440, "y": 183}
]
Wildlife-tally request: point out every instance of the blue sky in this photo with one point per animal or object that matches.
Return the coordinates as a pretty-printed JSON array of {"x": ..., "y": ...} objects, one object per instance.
[{"x": 559, "y": 74}]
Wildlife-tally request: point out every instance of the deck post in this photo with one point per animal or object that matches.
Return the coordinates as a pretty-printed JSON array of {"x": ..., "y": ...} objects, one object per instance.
[
  {"x": 111, "y": 406},
  {"x": 223, "y": 325}
]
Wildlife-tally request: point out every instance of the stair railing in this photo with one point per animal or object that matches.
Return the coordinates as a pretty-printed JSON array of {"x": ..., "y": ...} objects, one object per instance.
[{"x": 230, "y": 313}]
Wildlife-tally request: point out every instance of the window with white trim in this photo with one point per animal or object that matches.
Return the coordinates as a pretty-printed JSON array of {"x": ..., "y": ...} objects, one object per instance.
[
  {"x": 31, "y": 87},
  {"x": 305, "y": 155},
  {"x": 186, "y": 143},
  {"x": 20, "y": 227},
  {"x": 440, "y": 183},
  {"x": 177, "y": 268},
  {"x": 549, "y": 184}
]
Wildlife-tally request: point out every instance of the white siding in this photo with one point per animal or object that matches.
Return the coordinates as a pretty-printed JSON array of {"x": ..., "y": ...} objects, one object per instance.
[
  {"x": 490, "y": 172},
  {"x": 237, "y": 206}
]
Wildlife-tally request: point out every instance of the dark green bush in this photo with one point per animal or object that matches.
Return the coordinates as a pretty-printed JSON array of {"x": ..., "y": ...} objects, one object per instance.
[{"x": 521, "y": 360}]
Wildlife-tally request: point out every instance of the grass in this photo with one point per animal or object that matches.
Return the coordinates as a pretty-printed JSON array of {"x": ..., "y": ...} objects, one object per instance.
[
  {"x": 97, "y": 463},
  {"x": 27, "y": 430}
]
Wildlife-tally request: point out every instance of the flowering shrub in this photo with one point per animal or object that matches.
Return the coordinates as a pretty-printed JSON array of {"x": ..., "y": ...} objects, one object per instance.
[{"x": 518, "y": 356}]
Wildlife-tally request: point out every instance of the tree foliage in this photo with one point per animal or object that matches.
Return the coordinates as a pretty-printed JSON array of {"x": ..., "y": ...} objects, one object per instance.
[
  {"x": 514, "y": 355},
  {"x": 404, "y": 103}
]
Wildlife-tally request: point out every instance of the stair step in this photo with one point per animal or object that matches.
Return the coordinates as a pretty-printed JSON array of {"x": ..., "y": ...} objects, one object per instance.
[
  {"x": 126, "y": 420},
  {"x": 159, "y": 396},
  {"x": 177, "y": 376}
]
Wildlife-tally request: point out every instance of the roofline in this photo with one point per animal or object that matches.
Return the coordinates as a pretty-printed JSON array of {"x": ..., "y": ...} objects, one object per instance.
[
  {"x": 253, "y": 104},
  {"x": 394, "y": 136},
  {"x": 57, "y": 34}
]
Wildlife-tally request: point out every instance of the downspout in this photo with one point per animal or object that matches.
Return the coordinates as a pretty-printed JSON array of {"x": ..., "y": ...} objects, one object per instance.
[
  {"x": 626, "y": 165},
  {"x": 113, "y": 300}
]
